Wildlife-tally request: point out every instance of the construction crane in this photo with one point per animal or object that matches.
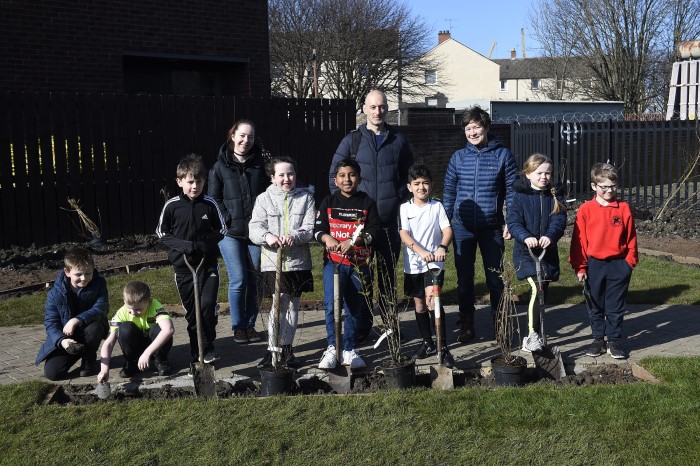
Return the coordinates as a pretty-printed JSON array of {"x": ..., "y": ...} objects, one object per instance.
[{"x": 491, "y": 51}]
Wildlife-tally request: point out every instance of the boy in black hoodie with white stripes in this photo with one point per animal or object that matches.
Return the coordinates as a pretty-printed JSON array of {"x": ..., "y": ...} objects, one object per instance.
[{"x": 192, "y": 225}]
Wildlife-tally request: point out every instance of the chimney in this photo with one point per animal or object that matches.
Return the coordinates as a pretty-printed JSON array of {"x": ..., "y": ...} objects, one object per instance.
[
  {"x": 443, "y": 36},
  {"x": 512, "y": 54}
]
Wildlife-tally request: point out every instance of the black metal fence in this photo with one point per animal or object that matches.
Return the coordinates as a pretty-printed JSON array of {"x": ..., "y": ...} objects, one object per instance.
[
  {"x": 657, "y": 160},
  {"x": 117, "y": 154}
]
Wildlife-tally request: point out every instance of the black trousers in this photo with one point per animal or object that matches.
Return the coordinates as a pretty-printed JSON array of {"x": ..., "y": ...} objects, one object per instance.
[
  {"x": 609, "y": 281},
  {"x": 209, "y": 289},
  {"x": 59, "y": 362},
  {"x": 134, "y": 342}
]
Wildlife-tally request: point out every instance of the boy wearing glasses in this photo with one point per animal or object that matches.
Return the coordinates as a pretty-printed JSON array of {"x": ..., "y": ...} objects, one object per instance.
[{"x": 604, "y": 252}]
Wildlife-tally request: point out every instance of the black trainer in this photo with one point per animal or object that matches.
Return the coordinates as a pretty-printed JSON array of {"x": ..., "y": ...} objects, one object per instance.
[
  {"x": 447, "y": 359},
  {"x": 615, "y": 351},
  {"x": 424, "y": 350},
  {"x": 596, "y": 348},
  {"x": 163, "y": 367},
  {"x": 266, "y": 361},
  {"x": 210, "y": 356},
  {"x": 128, "y": 370},
  {"x": 87, "y": 366},
  {"x": 290, "y": 360}
]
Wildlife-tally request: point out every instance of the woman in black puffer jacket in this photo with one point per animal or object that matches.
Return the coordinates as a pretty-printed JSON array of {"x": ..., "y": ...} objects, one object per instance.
[{"x": 235, "y": 180}]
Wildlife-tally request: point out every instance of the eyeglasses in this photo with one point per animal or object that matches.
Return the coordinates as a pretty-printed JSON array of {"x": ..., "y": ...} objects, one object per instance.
[{"x": 612, "y": 187}]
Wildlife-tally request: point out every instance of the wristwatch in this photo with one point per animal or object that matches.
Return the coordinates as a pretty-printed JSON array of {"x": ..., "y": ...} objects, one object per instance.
[{"x": 444, "y": 247}]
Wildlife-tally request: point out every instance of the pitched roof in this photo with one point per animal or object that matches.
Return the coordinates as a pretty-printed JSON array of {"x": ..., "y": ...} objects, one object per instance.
[
  {"x": 540, "y": 67},
  {"x": 524, "y": 68}
]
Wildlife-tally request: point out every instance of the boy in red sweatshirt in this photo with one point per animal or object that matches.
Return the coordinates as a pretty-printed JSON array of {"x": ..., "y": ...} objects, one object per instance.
[{"x": 604, "y": 252}]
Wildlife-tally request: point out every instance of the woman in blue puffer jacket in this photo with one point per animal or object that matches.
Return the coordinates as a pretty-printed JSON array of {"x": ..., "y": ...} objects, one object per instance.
[{"x": 478, "y": 181}]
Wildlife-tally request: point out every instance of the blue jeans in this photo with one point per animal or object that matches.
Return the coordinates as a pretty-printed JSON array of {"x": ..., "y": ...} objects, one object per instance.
[
  {"x": 492, "y": 245},
  {"x": 242, "y": 261},
  {"x": 354, "y": 302}
]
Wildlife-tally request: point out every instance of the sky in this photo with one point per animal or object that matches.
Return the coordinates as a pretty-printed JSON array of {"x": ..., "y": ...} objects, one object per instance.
[{"x": 477, "y": 24}]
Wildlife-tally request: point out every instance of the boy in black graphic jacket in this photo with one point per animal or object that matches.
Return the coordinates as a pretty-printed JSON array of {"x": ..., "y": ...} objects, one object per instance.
[
  {"x": 346, "y": 222},
  {"x": 192, "y": 225}
]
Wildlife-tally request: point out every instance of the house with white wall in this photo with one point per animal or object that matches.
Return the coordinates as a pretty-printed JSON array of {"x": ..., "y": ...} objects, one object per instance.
[{"x": 466, "y": 78}]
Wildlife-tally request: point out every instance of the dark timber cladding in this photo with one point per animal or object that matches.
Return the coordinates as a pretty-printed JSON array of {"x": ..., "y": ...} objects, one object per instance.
[{"x": 116, "y": 154}]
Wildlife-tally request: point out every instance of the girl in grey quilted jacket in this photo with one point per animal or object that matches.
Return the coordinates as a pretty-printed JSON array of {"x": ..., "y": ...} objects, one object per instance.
[{"x": 283, "y": 218}]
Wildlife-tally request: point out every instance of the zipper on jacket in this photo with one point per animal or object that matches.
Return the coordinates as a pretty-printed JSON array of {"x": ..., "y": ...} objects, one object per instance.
[
  {"x": 541, "y": 212},
  {"x": 476, "y": 188}
]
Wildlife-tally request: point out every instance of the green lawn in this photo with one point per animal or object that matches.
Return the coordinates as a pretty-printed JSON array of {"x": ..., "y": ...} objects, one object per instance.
[
  {"x": 625, "y": 424},
  {"x": 654, "y": 281}
]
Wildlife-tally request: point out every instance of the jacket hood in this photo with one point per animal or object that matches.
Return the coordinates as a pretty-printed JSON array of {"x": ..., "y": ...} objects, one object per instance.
[{"x": 522, "y": 185}]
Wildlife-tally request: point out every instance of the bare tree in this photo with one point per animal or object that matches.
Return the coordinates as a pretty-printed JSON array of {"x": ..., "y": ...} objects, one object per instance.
[
  {"x": 622, "y": 46},
  {"x": 360, "y": 45}
]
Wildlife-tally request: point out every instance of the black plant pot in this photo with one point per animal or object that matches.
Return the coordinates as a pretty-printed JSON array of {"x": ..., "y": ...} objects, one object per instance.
[
  {"x": 400, "y": 376},
  {"x": 275, "y": 382},
  {"x": 509, "y": 373}
]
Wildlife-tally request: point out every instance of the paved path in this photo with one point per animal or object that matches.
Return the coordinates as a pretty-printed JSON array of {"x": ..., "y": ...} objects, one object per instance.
[{"x": 668, "y": 330}]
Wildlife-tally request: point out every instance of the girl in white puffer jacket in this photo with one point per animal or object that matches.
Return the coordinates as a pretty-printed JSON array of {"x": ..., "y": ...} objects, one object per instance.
[{"x": 283, "y": 217}]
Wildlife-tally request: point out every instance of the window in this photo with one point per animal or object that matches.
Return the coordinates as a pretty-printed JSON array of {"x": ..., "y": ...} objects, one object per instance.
[
  {"x": 535, "y": 83},
  {"x": 432, "y": 102},
  {"x": 504, "y": 85},
  {"x": 431, "y": 77}
]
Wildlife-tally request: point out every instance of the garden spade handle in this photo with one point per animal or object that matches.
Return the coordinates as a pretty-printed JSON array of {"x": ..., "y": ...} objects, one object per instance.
[
  {"x": 276, "y": 351},
  {"x": 434, "y": 270},
  {"x": 197, "y": 306},
  {"x": 540, "y": 288},
  {"x": 336, "y": 309}
]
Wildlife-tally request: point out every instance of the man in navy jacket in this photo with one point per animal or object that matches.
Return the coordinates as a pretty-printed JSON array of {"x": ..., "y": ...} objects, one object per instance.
[{"x": 384, "y": 156}]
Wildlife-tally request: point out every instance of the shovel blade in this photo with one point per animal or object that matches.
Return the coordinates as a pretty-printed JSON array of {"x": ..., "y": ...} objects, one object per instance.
[
  {"x": 442, "y": 377},
  {"x": 340, "y": 379},
  {"x": 204, "y": 380},
  {"x": 103, "y": 390},
  {"x": 549, "y": 362}
]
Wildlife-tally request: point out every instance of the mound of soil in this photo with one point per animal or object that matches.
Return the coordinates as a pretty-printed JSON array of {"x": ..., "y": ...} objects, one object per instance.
[
  {"x": 679, "y": 223},
  {"x": 370, "y": 382}
]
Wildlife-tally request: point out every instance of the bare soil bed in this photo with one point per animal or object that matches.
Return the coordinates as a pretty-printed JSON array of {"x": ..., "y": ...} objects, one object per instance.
[
  {"x": 20, "y": 267},
  {"x": 675, "y": 234},
  {"x": 601, "y": 374}
]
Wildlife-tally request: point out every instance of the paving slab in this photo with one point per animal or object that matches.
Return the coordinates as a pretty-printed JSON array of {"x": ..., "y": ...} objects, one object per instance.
[{"x": 663, "y": 330}]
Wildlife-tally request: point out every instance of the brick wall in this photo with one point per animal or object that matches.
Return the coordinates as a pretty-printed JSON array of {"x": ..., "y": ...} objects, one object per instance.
[
  {"x": 68, "y": 45},
  {"x": 434, "y": 145}
]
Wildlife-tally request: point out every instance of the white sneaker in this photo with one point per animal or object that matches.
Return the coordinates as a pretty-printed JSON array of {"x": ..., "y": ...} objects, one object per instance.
[
  {"x": 532, "y": 342},
  {"x": 328, "y": 359},
  {"x": 352, "y": 359}
]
